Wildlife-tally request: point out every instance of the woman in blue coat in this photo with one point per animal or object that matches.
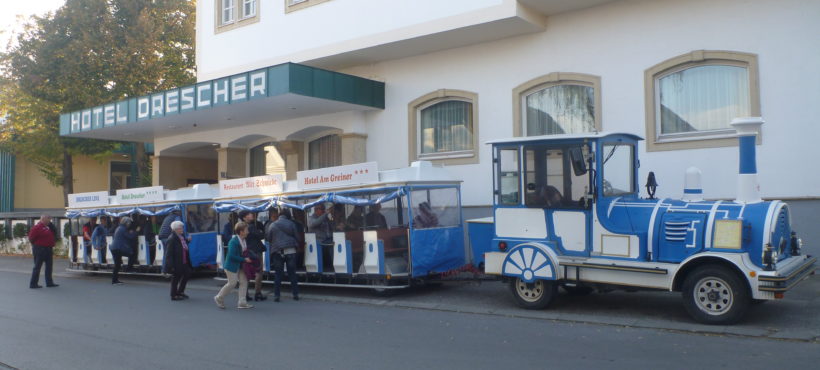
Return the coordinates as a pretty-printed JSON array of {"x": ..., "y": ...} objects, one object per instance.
[{"x": 232, "y": 266}]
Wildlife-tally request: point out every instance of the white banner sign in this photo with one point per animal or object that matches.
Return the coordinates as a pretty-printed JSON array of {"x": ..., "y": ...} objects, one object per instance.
[
  {"x": 140, "y": 195},
  {"x": 93, "y": 199},
  {"x": 361, "y": 173},
  {"x": 251, "y": 186}
]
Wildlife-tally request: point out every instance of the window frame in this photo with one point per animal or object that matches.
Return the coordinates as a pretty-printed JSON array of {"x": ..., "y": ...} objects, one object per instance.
[
  {"x": 240, "y": 19},
  {"x": 294, "y": 5},
  {"x": 698, "y": 139},
  {"x": 525, "y": 89},
  {"x": 414, "y": 109}
]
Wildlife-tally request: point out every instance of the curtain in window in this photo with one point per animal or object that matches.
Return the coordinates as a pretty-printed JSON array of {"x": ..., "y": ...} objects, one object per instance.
[
  {"x": 257, "y": 159},
  {"x": 325, "y": 151},
  {"x": 703, "y": 98},
  {"x": 447, "y": 127},
  {"x": 560, "y": 109}
]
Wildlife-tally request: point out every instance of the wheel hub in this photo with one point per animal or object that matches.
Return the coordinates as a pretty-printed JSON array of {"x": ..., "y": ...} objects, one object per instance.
[{"x": 713, "y": 296}]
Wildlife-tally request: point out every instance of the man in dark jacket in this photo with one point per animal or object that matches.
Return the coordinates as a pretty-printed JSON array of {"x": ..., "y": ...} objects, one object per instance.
[
  {"x": 42, "y": 237},
  {"x": 120, "y": 247},
  {"x": 256, "y": 233},
  {"x": 284, "y": 238}
]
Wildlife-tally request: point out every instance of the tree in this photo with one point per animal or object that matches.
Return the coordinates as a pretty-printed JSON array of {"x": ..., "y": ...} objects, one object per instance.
[{"x": 87, "y": 53}]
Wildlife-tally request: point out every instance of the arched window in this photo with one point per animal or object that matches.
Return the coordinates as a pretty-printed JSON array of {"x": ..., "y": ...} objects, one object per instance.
[
  {"x": 694, "y": 97},
  {"x": 558, "y": 103},
  {"x": 325, "y": 151},
  {"x": 443, "y": 127}
]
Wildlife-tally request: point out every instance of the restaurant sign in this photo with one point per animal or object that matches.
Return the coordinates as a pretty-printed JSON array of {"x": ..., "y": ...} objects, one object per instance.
[{"x": 258, "y": 185}]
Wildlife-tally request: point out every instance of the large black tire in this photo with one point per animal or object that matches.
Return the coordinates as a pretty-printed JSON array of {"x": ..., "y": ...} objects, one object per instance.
[
  {"x": 534, "y": 296},
  {"x": 715, "y": 295}
]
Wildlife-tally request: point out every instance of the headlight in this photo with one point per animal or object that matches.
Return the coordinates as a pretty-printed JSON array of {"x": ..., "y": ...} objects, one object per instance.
[{"x": 728, "y": 234}]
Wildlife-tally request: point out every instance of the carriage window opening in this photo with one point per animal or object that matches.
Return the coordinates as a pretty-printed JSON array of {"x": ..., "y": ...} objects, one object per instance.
[
  {"x": 200, "y": 218},
  {"x": 508, "y": 177},
  {"x": 550, "y": 179},
  {"x": 618, "y": 170},
  {"x": 435, "y": 208}
]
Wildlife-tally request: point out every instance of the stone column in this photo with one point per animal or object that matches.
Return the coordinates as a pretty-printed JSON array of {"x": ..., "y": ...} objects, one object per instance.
[
  {"x": 231, "y": 163},
  {"x": 292, "y": 151},
  {"x": 354, "y": 148}
]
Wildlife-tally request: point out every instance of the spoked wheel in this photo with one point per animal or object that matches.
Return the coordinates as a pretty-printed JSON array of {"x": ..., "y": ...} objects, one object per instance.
[
  {"x": 714, "y": 295},
  {"x": 535, "y": 295}
]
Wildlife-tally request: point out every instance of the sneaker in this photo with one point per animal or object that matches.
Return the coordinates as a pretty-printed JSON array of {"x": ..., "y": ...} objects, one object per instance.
[
  {"x": 52, "y": 285},
  {"x": 183, "y": 296},
  {"x": 276, "y": 299},
  {"x": 296, "y": 298},
  {"x": 245, "y": 306},
  {"x": 117, "y": 282},
  {"x": 219, "y": 303},
  {"x": 35, "y": 286}
]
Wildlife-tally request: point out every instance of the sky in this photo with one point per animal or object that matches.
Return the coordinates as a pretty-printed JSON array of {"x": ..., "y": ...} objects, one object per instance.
[{"x": 10, "y": 9}]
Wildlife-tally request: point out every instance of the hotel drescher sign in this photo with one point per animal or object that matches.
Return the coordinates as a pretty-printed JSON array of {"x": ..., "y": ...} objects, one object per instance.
[{"x": 204, "y": 95}]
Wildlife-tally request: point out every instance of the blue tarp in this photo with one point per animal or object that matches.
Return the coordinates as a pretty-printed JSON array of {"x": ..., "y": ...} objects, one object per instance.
[
  {"x": 202, "y": 249},
  {"x": 120, "y": 212},
  {"x": 437, "y": 250}
]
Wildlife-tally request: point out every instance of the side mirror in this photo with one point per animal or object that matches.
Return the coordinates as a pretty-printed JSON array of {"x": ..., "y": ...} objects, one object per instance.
[{"x": 579, "y": 166}]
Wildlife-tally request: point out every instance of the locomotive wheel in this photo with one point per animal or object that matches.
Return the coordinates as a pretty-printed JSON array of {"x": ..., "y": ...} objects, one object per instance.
[
  {"x": 535, "y": 295},
  {"x": 715, "y": 295}
]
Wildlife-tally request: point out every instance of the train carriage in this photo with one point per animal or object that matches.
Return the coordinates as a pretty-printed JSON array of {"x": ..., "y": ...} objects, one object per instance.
[
  {"x": 392, "y": 229},
  {"x": 192, "y": 205}
]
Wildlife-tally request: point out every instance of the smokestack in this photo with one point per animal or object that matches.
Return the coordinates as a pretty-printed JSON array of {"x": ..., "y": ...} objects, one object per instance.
[
  {"x": 748, "y": 189},
  {"x": 692, "y": 191}
]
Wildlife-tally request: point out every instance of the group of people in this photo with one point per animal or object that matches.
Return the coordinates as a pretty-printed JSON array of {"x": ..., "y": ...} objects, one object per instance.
[
  {"x": 243, "y": 261},
  {"x": 243, "y": 234}
]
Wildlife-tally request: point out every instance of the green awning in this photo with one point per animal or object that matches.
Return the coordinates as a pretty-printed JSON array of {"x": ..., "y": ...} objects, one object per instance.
[{"x": 276, "y": 93}]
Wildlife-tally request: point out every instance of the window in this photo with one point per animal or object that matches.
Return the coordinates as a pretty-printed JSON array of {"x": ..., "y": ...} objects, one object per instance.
[
  {"x": 120, "y": 176},
  {"x": 693, "y": 98},
  {"x": 443, "y": 127},
  {"x": 266, "y": 159},
  {"x": 227, "y": 11},
  {"x": 235, "y": 13},
  {"x": 555, "y": 177},
  {"x": 557, "y": 103},
  {"x": 324, "y": 152},
  {"x": 248, "y": 8},
  {"x": 508, "y": 177},
  {"x": 435, "y": 208},
  {"x": 618, "y": 170},
  {"x": 293, "y": 5}
]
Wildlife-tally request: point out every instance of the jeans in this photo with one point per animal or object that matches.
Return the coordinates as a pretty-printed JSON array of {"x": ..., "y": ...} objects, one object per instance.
[
  {"x": 180, "y": 280},
  {"x": 278, "y": 262},
  {"x": 233, "y": 277},
  {"x": 41, "y": 255}
]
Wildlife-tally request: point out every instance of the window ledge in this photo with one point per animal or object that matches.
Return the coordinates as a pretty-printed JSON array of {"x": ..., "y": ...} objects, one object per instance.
[
  {"x": 447, "y": 155},
  {"x": 723, "y": 134}
]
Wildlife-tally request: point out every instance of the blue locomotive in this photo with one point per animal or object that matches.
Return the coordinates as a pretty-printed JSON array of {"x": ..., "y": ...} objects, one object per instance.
[{"x": 567, "y": 212}]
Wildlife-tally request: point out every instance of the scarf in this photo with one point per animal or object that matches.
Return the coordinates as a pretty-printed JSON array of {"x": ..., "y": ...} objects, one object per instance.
[{"x": 184, "y": 249}]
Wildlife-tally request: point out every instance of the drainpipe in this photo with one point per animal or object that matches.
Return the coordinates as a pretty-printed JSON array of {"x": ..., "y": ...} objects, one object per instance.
[{"x": 748, "y": 188}]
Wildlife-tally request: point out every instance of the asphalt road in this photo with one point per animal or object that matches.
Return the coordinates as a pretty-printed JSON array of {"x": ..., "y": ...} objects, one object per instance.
[{"x": 87, "y": 323}]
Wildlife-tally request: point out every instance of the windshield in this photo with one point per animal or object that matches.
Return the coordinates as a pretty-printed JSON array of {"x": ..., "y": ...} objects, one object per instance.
[{"x": 618, "y": 170}]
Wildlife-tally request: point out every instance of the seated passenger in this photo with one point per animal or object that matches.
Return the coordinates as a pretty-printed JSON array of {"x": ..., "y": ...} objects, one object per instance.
[
  {"x": 425, "y": 217},
  {"x": 374, "y": 218},
  {"x": 550, "y": 196},
  {"x": 337, "y": 213},
  {"x": 355, "y": 220}
]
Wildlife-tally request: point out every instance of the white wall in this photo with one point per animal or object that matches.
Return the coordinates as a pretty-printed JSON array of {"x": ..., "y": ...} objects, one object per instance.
[
  {"x": 281, "y": 37},
  {"x": 618, "y": 42}
]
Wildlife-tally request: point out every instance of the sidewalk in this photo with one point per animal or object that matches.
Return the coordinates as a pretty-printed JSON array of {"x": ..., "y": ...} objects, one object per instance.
[{"x": 795, "y": 318}]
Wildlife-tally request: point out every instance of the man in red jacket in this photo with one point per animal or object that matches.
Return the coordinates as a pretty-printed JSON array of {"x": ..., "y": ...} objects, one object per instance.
[{"x": 42, "y": 237}]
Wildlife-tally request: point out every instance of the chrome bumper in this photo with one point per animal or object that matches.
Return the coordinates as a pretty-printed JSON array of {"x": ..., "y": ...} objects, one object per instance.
[{"x": 786, "y": 280}]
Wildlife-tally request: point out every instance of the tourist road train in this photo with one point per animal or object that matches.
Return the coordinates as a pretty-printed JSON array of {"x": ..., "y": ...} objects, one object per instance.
[{"x": 566, "y": 213}]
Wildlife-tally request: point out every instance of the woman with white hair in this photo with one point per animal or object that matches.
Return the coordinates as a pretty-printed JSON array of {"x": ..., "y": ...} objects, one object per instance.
[
  {"x": 120, "y": 247},
  {"x": 178, "y": 261}
]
